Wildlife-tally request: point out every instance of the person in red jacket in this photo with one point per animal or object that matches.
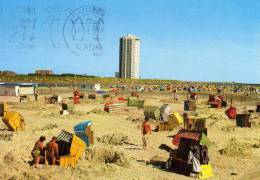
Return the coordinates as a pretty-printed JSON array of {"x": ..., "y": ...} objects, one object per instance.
[{"x": 146, "y": 129}]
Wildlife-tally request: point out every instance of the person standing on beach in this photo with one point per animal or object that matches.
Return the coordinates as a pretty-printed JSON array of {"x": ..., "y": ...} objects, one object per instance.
[
  {"x": 187, "y": 122},
  {"x": 146, "y": 129},
  {"x": 36, "y": 96}
]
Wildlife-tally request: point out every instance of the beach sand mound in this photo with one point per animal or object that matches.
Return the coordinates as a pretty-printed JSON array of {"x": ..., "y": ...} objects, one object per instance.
[
  {"x": 9, "y": 158},
  {"x": 28, "y": 107},
  {"x": 78, "y": 113},
  {"x": 236, "y": 148},
  {"x": 47, "y": 127},
  {"x": 97, "y": 111},
  {"x": 135, "y": 118},
  {"x": 216, "y": 116},
  {"x": 228, "y": 128},
  {"x": 31, "y": 175},
  {"x": 113, "y": 139},
  {"x": 6, "y": 135},
  {"x": 107, "y": 155},
  {"x": 226, "y": 125},
  {"x": 169, "y": 101}
]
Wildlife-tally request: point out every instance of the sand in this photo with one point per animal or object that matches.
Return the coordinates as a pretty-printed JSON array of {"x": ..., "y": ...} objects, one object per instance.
[{"x": 118, "y": 153}]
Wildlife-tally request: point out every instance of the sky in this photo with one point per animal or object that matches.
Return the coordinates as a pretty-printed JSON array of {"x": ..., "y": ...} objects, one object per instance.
[{"x": 193, "y": 40}]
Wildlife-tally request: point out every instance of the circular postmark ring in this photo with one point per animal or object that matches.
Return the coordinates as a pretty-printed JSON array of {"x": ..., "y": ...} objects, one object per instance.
[{"x": 82, "y": 28}]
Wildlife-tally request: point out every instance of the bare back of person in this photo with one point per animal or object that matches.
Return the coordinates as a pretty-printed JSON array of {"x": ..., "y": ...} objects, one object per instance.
[{"x": 52, "y": 149}]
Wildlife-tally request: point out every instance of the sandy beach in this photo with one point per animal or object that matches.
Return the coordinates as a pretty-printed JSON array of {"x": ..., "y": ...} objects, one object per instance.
[{"x": 234, "y": 153}]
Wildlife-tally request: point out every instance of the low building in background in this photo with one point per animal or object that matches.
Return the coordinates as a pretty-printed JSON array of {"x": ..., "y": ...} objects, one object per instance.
[
  {"x": 17, "y": 89},
  {"x": 7, "y": 73},
  {"x": 44, "y": 72},
  {"x": 95, "y": 87}
]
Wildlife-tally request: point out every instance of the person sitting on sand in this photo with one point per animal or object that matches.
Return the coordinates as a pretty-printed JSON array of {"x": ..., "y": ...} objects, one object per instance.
[
  {"x": 52, "y": 151},
  {"x": 146, "y": 129},
  {"x": 38, "y": 152},
  {"x": 187, "y": 122}
]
